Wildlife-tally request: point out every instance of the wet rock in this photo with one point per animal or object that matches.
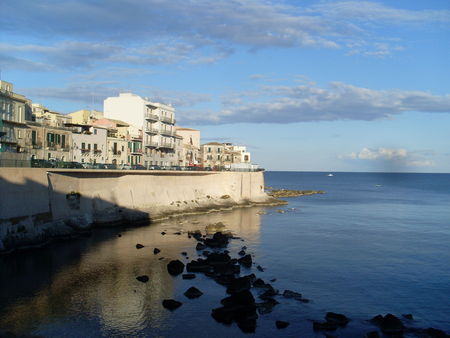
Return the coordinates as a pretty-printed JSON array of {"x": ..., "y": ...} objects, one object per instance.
[
  {"x": 188, "y": 276},
  {"x": 223, "y": 315},
  {"x": 292, "y": 294},
  {"x": 246, "y": 261},
  {"x": 225, "y": 280},
  {"x": 156, "y": 251},
  {"x": 218, "y": 258},
  {"x": 267, "y": 306},
  {"x": 199, "y": 265},
  {"x": 184, "y": 253},
  {"x": 247, "y": 324},
  {"x": 435, "y": 333},
  {"x": 239, "y": 284},
  {"x": 206, "y": 253},
  {"x": 408, "y": 316},
  {"x": 219, "y": 240},
  {"x": 200, "y": 246},
  {"x": 177, "y": 233},
  {"x": 242, "y": 253},
  {"x": 175, "y": 267},
  {"x": 269, "y": 293},
  {"x": 259, "y": 283},
  {"x": 389, "y": 324},
  {"x": 280, "y": 324},
  {"x": 119, "y": 235},
  {"x": 260, "y": 268},
  {"x": 337, "y": 318},
  {"x": 244, "y": 297},
  {"x": 139, "y": 246},
  {"x": 244, "y": 248},
  {"x": 160, "y": 258},
  {"x": 226, "y": 251},
  {"x": 143, "y": 278},
  {"x": 163, "y": 233},
  {"x": 273, "y": 280},
  {"x": 193, "y": 292},
  {"x": 171, "y": 304},
  {"x": 324, "y": 326},
  {"x": 372, "y": 334}
]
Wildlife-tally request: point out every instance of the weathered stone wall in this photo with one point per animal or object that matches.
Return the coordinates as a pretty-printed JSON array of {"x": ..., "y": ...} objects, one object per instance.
[{"x": 38, "y": 204}]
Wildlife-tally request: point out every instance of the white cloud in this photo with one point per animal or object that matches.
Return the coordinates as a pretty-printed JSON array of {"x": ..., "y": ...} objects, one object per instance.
[{"x": 400, "y": 156}]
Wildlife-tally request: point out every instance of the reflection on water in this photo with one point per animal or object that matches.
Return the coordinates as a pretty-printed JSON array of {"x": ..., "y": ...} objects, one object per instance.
[{"x": 88, "y": 286}]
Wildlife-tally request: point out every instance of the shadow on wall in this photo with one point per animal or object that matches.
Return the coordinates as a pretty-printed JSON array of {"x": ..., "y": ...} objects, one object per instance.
[{"x": 32, "y": 212}]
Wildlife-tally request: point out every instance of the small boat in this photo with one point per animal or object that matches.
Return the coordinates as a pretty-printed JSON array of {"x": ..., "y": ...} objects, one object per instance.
[{"x": 330, "y": 175}]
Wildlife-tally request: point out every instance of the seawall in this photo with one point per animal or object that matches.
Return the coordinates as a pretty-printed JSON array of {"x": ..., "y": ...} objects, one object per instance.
[{"x": 37, "y": 205}]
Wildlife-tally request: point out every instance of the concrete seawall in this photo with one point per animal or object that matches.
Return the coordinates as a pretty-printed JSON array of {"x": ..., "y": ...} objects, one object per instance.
[{"x": 37, "y": 205}]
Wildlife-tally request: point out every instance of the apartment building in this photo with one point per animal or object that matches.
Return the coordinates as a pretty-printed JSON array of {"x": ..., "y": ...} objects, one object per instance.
[
  {"x": 45, "y": 116},
  {"x": 211, "y": 154},
  {"x": 156, "y": 120},
  {"x": 190, "y": 151},
  {"x": 135, "y": 150},
  {"x": 15, "y": 109},
  {"x": 89, "y": 144},
  {"x": 225, "y": 155},
  {"x": 85, "y": 116},
  {"x": 48, "y": 143},
  {"x": 116, "y": 141}
]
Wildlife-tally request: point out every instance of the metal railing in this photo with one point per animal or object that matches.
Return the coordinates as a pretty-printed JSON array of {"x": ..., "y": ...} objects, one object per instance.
[{"x": 151, "y": 116}]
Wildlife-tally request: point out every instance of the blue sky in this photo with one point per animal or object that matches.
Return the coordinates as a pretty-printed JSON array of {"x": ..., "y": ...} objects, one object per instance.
[{"x": 306, "y": 85}]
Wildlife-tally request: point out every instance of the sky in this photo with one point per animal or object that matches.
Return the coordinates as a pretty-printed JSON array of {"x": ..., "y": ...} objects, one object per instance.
[{"x": 305, "y": 85}]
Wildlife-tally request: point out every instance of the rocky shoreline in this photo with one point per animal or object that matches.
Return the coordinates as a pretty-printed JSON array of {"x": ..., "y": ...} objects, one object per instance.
[{"x": 280, "y": 193}]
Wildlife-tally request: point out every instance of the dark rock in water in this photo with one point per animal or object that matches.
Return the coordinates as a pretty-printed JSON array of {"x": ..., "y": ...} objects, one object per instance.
[
  {"x": 188, "y": 276},
  {"x": 372, "y": 334},
  {"x": 200, "y": 246},
  {"x": 119, "y": 235},
  {"x": 267, "y": 306},
  {"x": 175, "y": 267},
  {"x": 177, "y": 233},
  {"x": 280, "y": 324},
  {"x": 156, "y": 251},
  {"x": 247, "y": 325},
  {"x": 337, "y": 318},
  {"x": 199, "y": 265},
  {"x": 239, "y": 298},
  {"x": 239, "y": 284},
  {"x": 273, "y": 280},
  {"x": 260, "y": 268},
  {"x": 324, "y": 326},
  {"x": 219, "y": 240},
  {"x": 163, "y": 233},
  {"x": 269, "y": 293},
  {"x": 171, "y": 304},
  {"x": 242, "y": 253},
  {"x": 184, "y": 253},
  {"x": 223, "y": 315},
  {"x": 259, "y": 283},
  {"x": 435, "y": 333},
  {"x": 246, "y": 261},
  {"x": 206, "y": 253},
  {"x": 139, "y": 246},
  {"x": 389, "y": 324},
  {"x": 224, "y": 279},
  {"x": 292, "y": 294},
  {"x": 160, "y": 258},
  {"x": 218, "y": 258},
  {"x": 143, "y": 278},
  {"x": 244, "y": 248},
  {"x": 193, "y": 292},
  {"x": 226, "y": 251},
  {"x": 408, "y": 316}
]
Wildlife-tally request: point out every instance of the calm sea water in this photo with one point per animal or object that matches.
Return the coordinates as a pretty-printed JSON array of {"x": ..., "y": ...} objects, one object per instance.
[{"x": 372, "y": 244}]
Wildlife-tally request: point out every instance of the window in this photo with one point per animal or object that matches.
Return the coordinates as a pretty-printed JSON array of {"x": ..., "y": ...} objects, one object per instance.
[
  {"x": 95, "y": 146},
  {"x": 58, "y": 139},
  {"x": 123, "y": 149},
  {"x": 95, "y": 131},
  {"x": 218, "y": 157},
  {"x": 219, "y": 150},
  {"x": 209, "y": 150},
  {"x": 83, "y": 145},
  {"x": 63, "y": 141},
  {"x": 89, "y": 146},
  {"x": 33, "y": 137}
]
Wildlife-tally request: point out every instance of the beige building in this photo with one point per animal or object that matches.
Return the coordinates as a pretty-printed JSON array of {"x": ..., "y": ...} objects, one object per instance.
[
  {"x": 225, "y": 155},
  {"x": 49, "y": 143},
  {"x": 89, "y": 144},
  {"x": 135, "y": 150},
  {"x": 190, "y": 152},
  {"x": 44, "y": 116},
  {"x": 211, "y": 154},
  {"x": 117, "y": 140},
  {"x": 15, "y": 109},
  {"x": 85, "y": 116}
]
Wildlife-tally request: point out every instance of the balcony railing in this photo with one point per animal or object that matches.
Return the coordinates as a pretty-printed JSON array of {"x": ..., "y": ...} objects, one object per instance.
[
  {"x": 152, "y": 144},
  {"x": 167, "y": 119},
  {"x": 167, "y": 132},
  {"x": 151, "y": 117},
  {"x": 168, "y": 145},
  {"x": 152, "y": 130}
]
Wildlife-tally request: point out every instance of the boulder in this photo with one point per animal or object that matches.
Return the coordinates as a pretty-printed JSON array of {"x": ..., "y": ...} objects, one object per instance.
[
  {"x": 246, "y": 261},
  {"x": 193, "y": 292},
  {"x": 242, "y": 253},
  {"x": 372, "y": 334},
  {"x": 184, "y": 253},
  {"x": 175, "y": 267},
  {"x": 337, "y": 318},
  {"x": 292, "y": 294},
  {"x": 171, "y": 304},
  {"x": 200, "y": 246},
  {"x": 139, "y": 246},
  {"x": 280, "y": 324},
  {"x": 199, "y": 265},
  {"x": 389, "y": 324},
  {"x": 156, "y": 251},
  {"x": 239, "y": 284},
  {"x": 267, "y": 306},
  {"x": 260, "y": 268},
  {"x": 143, "y": 278}
]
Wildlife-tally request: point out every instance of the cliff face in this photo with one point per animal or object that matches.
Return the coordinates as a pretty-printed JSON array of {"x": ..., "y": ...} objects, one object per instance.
[{"x": 39, "y": 204}]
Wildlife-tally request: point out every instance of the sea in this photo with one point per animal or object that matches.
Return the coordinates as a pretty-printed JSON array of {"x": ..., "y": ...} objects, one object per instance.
[{"x": 372, "y": 243}]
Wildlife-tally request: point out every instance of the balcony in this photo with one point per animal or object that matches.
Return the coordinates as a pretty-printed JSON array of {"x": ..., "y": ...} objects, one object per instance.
[
  {"x": 167, "y": 132},
  {"x": 167, "y": 119},
  {"x": 167, "y": 145},
  {"x": 117, "y": 153},
  {"x": 152, "y": 144},
  {"x": 85, "y": 151},
  {"x": 151, "y": 117},
  {"x": 136, "y": 152},
  {"x": 152, "y": 130}
]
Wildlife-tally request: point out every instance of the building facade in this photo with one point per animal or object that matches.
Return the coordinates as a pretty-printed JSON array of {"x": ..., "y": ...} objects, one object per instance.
[
  {"x": 224, "y": 155},
  {"x": 49, "y": 143},
  {"x": 89, "y": 144},
  {"x": 156, "y": 120},
  {"x": 190, "y": 152}
]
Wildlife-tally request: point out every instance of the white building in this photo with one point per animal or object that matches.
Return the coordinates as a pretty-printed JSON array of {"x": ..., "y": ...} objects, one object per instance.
[
  {"x": 190, "y": 153},
  {"x": 157, "y": 121},
  {"x": 89, "y": 144}
]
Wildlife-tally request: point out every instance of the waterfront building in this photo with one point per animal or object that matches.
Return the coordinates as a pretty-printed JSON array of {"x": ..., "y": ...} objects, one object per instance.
[
  {"x": 190, "y": 152},
  {"x": 15, "y": 109},
  {"x": 211, "y": 154},
  {"x": 117, "y": 140},
  {"x": 157, "y": 121},
  {"x": 225, "y": 155},
  {"x": 85, "y": 116},
  {"x": 44, "y": 142},
  {"x": 135, "y": 152},
  {"x": 89, "y": 143},
  {"x": 45, "y": 116}
]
